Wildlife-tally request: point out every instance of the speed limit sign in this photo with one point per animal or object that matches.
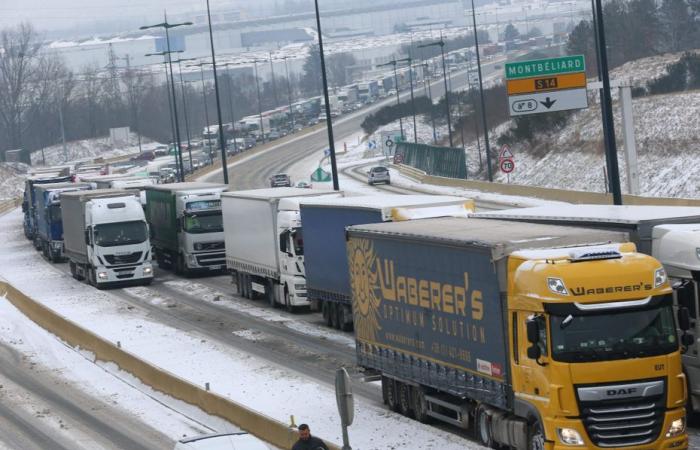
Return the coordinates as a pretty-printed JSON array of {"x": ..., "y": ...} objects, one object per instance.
[{"x": 507, "y": 165}]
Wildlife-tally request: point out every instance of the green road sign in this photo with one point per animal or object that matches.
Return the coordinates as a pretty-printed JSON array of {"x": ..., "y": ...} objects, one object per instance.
[
  {"x": 539, "y": 67},
  {"x": 320, "y": 175}
]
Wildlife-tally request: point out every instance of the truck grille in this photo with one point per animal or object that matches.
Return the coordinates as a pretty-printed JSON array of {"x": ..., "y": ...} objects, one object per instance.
[
  {"x": 125, "y": 273},
  {"x": 211, "y": 259},
  {"x": 123, "y": 259},
  {"x": 631, "y": 421},
  {"x": 204, "y": 246}
]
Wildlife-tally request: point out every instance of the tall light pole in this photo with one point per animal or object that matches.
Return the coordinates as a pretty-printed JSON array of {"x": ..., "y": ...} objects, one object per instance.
[
  {"x": 476, "y": 125},
  {"x": 606, "y": 107},
  {"x": 222, "y": 139},
  {"x": 329, "y": 122},
  {"x": 206, "y": 112},
  {"x": 167, "y": 26},
  {"x": 409, "y": 60},
  {"x": 396, "y": 87},
  {"x": 257, "y": 87},
  {"x": 184, "y": 108},
  {"x": 230, "y": 105},
  {"x": 289, "y": 92},
  {"x": 428, "y": 90},
  {"x": 171, "y": 115},
  {"x": 441, "y": 44},
  {"x": 274, "y": 85},
  {"x": 481, "y": 94}
]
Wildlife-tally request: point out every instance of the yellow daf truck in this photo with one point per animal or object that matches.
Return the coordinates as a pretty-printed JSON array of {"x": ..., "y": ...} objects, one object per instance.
[{"x": 538, "y": 336}]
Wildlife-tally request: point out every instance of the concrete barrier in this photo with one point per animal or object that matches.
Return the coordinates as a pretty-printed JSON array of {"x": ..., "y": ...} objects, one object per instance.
[
  {"x": 9, "y": 205},
  {"x": 576, "y": 197},
  {"x": 264, "y": 427}
]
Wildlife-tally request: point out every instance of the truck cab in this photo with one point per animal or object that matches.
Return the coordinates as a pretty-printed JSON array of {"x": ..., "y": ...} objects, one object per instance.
[{"x": 291, "y": 253}]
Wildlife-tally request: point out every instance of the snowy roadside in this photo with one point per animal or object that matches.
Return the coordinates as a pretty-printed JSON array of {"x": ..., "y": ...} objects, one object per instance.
[{"x": 264, "y": 387}]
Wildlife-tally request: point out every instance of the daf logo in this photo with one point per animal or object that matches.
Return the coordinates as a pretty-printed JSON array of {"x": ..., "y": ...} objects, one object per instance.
[{"x": 619, "y": 392}]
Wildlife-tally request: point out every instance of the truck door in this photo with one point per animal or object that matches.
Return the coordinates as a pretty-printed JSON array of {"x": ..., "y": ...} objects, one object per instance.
[
  {"x": 686, "y": 295},
  {"x": 530, "y": 377}
]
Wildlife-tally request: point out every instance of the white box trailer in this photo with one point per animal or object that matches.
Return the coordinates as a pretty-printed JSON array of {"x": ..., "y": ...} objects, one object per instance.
[{"x": 264, "y": 245}]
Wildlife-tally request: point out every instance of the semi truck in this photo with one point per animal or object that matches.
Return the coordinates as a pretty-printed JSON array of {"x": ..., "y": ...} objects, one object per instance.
[
  {"x": 29, "y": 200},
  {"x": 125, "y": 182},
  {"x": 670, "y": 234},
  {"x": 105, "y": 237},
  {"x": 541, "y": 336},
  {"x": 187, "y": 227},
  {"x": 324, "y": 222},
  {"x": 49, "y": 224},
  {"x": 264, "y": 243}
]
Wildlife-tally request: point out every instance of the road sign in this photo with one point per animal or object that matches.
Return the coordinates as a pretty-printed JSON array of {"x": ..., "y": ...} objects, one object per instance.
[
  {"x": 535, "y": 103},
  {"x": 540, "y": 67},
  {"x": 389, "y": 139},
  {"x": 507, "y": 165},
  {"x": 371, "y": 145},
  {"x": 327, "y": 152},
  {"x": 505, "y": 152},
  {"x": 546, "y": 85},
  {"x": 346, "y": 403},
  {"x": 320, "y": 175},
  {"x": 398, "y": 159}
]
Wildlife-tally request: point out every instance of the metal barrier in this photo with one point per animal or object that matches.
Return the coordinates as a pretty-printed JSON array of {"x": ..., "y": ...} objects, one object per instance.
[{"x": 439, "y": 161}]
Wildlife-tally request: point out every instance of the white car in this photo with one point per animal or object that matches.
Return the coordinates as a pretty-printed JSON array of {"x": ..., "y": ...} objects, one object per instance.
[{"x": 222, "y": 441}]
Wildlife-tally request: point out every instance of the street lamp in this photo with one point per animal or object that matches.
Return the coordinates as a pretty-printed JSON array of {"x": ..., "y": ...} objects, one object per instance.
[
  {"x": 257, "y": 87},
  {"x": 172, "y": 115},
  {"x": 396, "y": 86},
  {"x": 230, "y": 105},
  {"x": 481, "y": 93},
  {"x": 274, "y": 85},
  {"x": 441, "y": 44},
  {"x": 429, "y": 93},
  {"x": 289, "y": 92},
  {"x": 329, "y": 122},
  {"x": 222, "y": 139},
  {"x": 184, "y": 107},
  {"x": 413, "y": 105},
  {"x": 167, "y": 26},
  {"x": 206, "y": 112}
]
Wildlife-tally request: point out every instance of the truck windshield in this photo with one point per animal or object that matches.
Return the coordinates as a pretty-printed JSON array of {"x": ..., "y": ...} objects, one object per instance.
[
  {"x": 122, "y": 233},
  {"x": 55, "y": 213},
  {"x": 204, "y": 222},
  {"x": 298, "y": 241},
  {"x": 614, "y": 335}
]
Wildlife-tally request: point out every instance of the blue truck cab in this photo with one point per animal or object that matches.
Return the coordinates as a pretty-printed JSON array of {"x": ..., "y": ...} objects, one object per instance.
[{"x": 29, "y": 201}]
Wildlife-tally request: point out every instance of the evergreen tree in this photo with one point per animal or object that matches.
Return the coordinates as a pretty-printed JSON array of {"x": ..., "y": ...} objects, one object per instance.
[
  {"x": 678, "y": 25},
  {"x": 644, "y": 20},
  {"x": 582, "y": 42},
  {"x": 511, "y": 33},
  {"x": 310, "y": 82}
]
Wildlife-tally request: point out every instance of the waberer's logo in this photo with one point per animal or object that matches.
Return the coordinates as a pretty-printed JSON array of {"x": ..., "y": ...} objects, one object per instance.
[{"x": 362, "y": 261}]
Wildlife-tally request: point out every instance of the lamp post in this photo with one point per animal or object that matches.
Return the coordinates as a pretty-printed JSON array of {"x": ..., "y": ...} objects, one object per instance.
[
  {"x": 184, "y": 108},
  {"x": 171, "y": 115},
  {"x": 289, "y": 92},
  {"x": 441, "y": 44},
  {"x": 481, "y": 94},
  {"x": 230, "y": 105},
  {"x": 409, "y": 60},
  {"x": 329, "y": 122},
  {"x": 428, "y": 90},
  {"x": 274, "y": 85},
  {"x": 167, "y": 26},
  {"x": 257, "y": 87},
  {"x": 396, "y": 86},
  {"x": 222, "y": 139},
  {"x": 204, "y": 99}
]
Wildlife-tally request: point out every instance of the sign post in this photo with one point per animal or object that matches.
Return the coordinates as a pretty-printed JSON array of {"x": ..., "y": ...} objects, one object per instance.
[
  {"x": 506, "y": 161},
  {"x": 346, "y": 403},
  {"x": 546, "y": 85}
]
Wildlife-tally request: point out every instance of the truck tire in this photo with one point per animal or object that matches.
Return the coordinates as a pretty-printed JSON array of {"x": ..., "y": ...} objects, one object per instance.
[
  {"x": 287, "y": 303},
  {"x": 419, "y": 404},
  {"x": 403, "y": 394},
  {"x": 74, "y": 271},
  {"x": 246, "y": 286},
  {"x": 333, "y": 311},
  {"x": 239, "y": 290},
  {"x": 345, "y": 318},
  {"x": 270, "y": 293},
  {"x": 181, "y": 267},
  {"x": 326, "y": 312},
  {"x": 482, "y": 428},
  {"x": 389, "y": 385},
  {"x": 535, "y": 438}
]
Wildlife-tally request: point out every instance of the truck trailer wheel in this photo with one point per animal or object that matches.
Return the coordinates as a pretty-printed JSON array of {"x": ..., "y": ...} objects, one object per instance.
[
  {"x": 535, "y": 439},
  {"x": 333, "y": 307},
  {"x": 419, "y": 404},
  {"x": 345, "y": 318},
  {"x": 482, "y": 428},
  {"x": 326, "y": 312},
  {"x": 389, "y": 393},
  {"x": 74, "y": 271},
  {"x": 403, "y": 391}
]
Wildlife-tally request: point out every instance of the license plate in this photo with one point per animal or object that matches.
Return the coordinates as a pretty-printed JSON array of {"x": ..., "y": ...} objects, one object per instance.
[{"x": 215, "y": 267}]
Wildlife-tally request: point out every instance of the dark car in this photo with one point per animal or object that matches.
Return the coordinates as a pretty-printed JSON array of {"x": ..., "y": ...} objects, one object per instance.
[
  {"x": 147, "y": 155},
  {"x": 280, "y": 180}
]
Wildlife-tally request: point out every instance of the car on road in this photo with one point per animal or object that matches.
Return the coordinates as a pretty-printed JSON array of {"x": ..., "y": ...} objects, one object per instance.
[
  {"x": 378, "y": 174},
  {"x": 304, "y": 184},
  {"x": 280, "y": 180},
  {"x": 222, "y": 441},
  {"x": 146, "y": 155}
]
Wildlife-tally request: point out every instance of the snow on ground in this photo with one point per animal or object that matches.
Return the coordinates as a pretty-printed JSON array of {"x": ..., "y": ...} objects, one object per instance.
[
  {"x": 270, "y": 389},
  {"x": 48, "y": 354},
  {"x": 12, "y": 176},
  {"x": 88, "y": 149}
]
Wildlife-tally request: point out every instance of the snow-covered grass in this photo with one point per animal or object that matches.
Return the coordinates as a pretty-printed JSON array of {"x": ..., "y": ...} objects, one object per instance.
[
  {"x": 12, "y": 176},
  {"x": 88, "y": 149},
  {"x": 266, "y": 387}
]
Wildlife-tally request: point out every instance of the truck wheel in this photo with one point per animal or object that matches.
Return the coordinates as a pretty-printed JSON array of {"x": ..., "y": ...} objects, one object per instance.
[
  {"x": 535, "y": 439},
  {"x": 391, "y": 395},
  {"x": 419, "y": 404},
  {"x": 333, "y": 310},
  {"x": 482, "y": 428},
  {"x": 270, "y": 293},
  {"x": 326, "y": 312},
  {"x": 287, "y": 302},
  {"x": 91, "y": 277},
  {"x": 246, "y": 286},
  {"x": 181, "y": 268},
  {"x": 404, "y": 397},
  {"x": 344, "y": 318},
  {"x": 74, "y": 271},
  {"x": 238, "y": 284}
]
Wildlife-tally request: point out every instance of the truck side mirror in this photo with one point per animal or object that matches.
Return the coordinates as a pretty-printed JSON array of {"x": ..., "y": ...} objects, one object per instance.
[
  {"x": 687, "y": 340},
  {"x": 534, "y": 352},
  {"x": 87, "y": 237},
  {"x": 533, "y": 331},
  {"x": 683, "y": 318}
]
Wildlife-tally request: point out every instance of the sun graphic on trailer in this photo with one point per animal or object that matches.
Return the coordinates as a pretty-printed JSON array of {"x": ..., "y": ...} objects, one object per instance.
[{"x": 363, "y": 279}]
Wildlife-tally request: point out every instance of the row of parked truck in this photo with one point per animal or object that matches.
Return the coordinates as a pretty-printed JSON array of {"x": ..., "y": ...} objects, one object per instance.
[{"x": 551, "y": 327}]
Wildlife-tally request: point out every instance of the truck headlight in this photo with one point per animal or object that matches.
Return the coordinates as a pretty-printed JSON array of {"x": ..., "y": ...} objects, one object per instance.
[
  {"x": 659, "y": 277},
  {"x": 677, "y": 427},
  {"x": 198, "y": 247},
  {"x": 102, "y": 275},
  {"x": 557, "y": 286},
  {"x": 697, "y": 252},
  {"x": 569, "y": 436},
  {"x": 147, "y": 270},
  {"x": 299, "y": 287}
]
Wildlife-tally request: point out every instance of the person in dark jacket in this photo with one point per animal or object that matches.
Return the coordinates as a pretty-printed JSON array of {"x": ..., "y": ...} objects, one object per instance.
[{"x": 308, "y": 442}]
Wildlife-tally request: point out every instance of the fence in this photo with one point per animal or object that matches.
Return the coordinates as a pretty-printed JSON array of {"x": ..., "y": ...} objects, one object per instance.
[{"x": 438, "y": 161}]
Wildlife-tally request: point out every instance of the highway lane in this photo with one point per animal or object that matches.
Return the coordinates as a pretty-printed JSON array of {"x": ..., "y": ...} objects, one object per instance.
[{"x": 255, "y": 172}]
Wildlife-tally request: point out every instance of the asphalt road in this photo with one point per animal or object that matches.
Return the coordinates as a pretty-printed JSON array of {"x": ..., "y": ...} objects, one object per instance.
[{"x": 255, "y": 172}]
